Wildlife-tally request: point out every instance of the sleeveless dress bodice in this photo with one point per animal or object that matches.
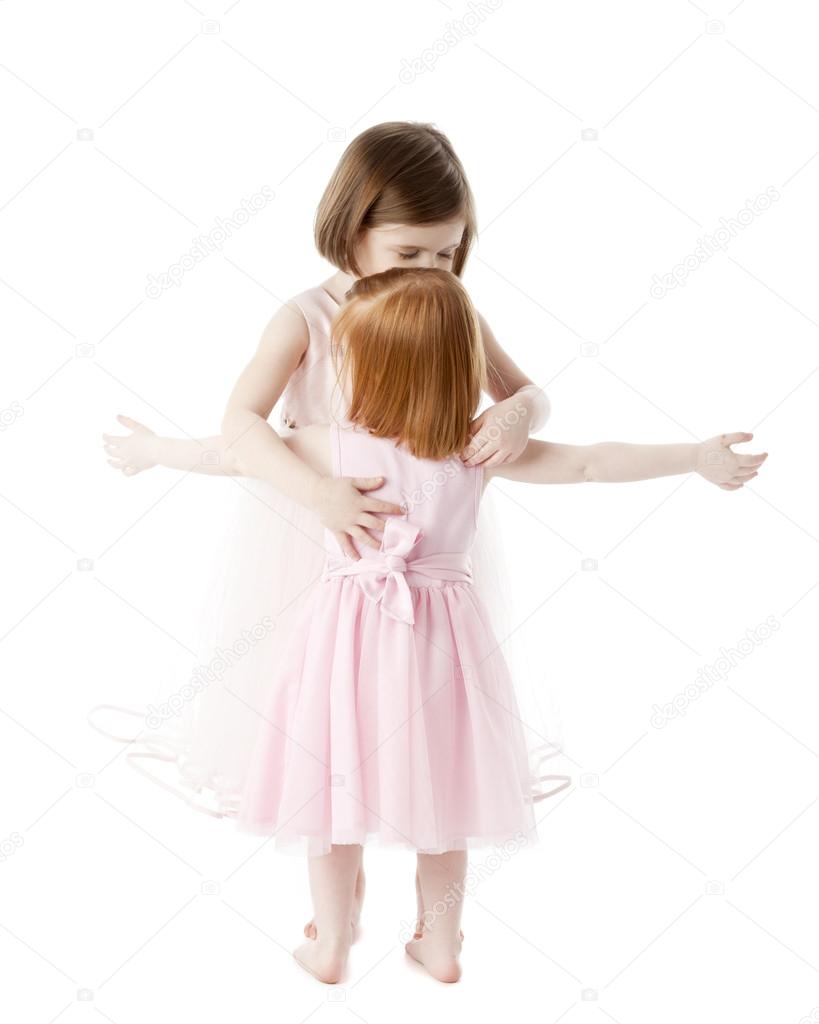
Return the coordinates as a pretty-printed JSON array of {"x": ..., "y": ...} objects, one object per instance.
[{"x": 312, "y": 394}]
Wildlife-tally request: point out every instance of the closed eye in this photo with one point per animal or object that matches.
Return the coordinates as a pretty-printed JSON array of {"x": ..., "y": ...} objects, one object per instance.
[{"x": 412, "y": 255}]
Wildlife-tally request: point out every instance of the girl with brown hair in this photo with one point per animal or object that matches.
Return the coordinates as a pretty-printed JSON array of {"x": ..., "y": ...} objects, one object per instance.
[{"x": 399, "y": 197}]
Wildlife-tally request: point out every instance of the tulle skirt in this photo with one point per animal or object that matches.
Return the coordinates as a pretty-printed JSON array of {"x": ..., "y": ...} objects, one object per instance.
[
  {"x": 379, "y": 730},
  {"x": 196, "y": 737}
]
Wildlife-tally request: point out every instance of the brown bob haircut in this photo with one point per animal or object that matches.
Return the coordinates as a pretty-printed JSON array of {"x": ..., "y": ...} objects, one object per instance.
[
  {"x": 408, "y": 344},
  {"x": 398, "y": 172}
]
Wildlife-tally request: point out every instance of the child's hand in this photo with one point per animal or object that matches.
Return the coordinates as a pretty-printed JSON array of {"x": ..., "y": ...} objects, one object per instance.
[
  {"x": 345, "y": 511},
  {"x": 717, "y": 463},
  {"x": 131, "y": 453},
  {"x": 499, "y": 435}
]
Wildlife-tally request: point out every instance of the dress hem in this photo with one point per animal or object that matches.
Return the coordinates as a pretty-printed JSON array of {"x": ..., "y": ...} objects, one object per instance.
[{"x": 320, "y": 845}]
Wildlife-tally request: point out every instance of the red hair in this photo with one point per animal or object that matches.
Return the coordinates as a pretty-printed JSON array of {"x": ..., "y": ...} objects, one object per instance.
[{"x": 409, "y": 342}]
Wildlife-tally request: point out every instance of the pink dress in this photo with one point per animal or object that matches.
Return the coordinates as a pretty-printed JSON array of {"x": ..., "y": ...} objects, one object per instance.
[
  {"x": 195, "y": 736},
  {"x": 391, "y": 715}
]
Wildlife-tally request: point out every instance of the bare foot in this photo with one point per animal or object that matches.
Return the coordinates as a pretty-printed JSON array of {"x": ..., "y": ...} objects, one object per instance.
[
  {"x": 358, "y": 900},
  {"x": 440, "y": 962},
  {"x": 325, "y": 959}
]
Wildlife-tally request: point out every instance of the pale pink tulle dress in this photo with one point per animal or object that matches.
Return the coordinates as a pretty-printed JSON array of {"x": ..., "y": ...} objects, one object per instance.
[
  {"x": 194, "y": 735},
  {"x": 392, "y": 716}
]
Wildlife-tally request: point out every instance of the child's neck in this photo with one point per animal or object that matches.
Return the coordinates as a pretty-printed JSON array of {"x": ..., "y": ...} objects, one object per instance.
[{"x": 338, "y": 284}]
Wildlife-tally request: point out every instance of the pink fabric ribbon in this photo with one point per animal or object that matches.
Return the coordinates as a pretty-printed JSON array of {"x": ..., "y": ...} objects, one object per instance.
[{"x": 383, "y": 577}]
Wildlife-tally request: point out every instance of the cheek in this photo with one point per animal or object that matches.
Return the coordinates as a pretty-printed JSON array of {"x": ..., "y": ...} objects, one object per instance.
[
  {"x": 388, "y": 261},
  {"x": 374, "y": 261},
  {"x": 368, "y": 256}
]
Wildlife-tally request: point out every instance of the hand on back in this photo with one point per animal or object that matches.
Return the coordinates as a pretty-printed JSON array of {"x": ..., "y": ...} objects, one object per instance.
[{"x": 348, "y": 511}]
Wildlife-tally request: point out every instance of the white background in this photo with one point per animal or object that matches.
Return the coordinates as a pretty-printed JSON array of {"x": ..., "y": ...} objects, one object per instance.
[{"x": 676, "y": 878}]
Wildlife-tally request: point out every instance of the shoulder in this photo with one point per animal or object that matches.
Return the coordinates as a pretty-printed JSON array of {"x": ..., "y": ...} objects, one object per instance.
[
  {"x": 315, "y": 306},
  {"x": 289, "y": 325},
  {"x": 305, "y": 297},
  {"x": 309, "y": 299},
  {"x": 487, "y": 336},
  {"x": 289, "y": 315},
  {"x": 301, "y": 304}
]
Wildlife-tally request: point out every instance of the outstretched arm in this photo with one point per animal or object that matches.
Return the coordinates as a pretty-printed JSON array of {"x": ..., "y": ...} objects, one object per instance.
[
  {"x": 143, "y": 449},
  {"x": 500, "y": 433},
  {"x": 617, "y": 462},
  {"x": 280, "y": 349}
]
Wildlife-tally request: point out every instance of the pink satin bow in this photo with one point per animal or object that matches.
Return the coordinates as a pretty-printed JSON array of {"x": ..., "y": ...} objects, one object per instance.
[{"x": 383, "y": 578}]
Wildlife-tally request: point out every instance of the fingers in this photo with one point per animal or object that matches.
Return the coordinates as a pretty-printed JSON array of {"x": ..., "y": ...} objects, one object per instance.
[
  {"x": 374, "y": 505},
  {"x": 751, "y": 460},
  {"x": 737, "y": 482},
  {"x": 369, "y": 483},
  {"x": 372, "y": 522},
  {"x": 128, "y": 422},
  {"x": 736, "y": 438},
  {"x": 479, "y": 454},
  {"x": 366, "y": 483},
  {"x": 498, "y": 459},
  {"x": 745, "y": 467},
  {"x": 473, "y": 453},
  {"x": 738, "y": 479},
  {"x": 363, "y": 537},
  {"x": 345, "y": 543},
  {"x": 127, "y": 470}
]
